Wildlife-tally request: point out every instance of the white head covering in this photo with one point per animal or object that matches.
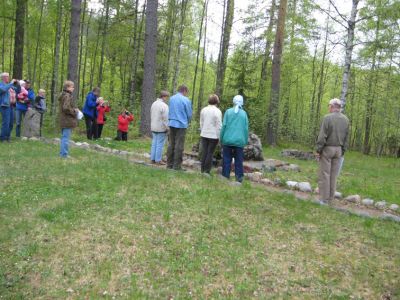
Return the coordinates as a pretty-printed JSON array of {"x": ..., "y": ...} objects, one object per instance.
[
  {"x": 237, "y": 102},
  {"x": 336, "y": 101}
]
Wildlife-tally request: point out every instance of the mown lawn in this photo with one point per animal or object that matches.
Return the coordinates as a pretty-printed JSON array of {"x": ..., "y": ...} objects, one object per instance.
[{"x": 98, "y": 226}]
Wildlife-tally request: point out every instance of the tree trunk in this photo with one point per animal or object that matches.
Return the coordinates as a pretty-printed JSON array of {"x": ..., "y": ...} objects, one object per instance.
[
  {"x": 149, "y": 74},
  {"x": 19, "y": 38},
  {"x": 219, "y": 86},
  {"x": 273, "y": 111},
  {"x": 267, "y": 51},
  {"x": 85, "y": 59},
  {"x": 136, "y": 57},
  {"x": 169, "y": 39},
  {"x": 203, "y": 69},
  {"x": 56, "y": 57},
  {"x": 78, "y": 83},
  {"x": 103, "y": 43},
  {"x": 38, "y": 36},
  {"x": 321, "y": 80},
  {"x": 371, "y": 94},
  {"x": 180, "y": 39},
  {"x": 198, "y": 48},
  {"x": 349, "y": 51},
  {"x": 93, "y": 61},
  {"x": 74, "y": 41}
]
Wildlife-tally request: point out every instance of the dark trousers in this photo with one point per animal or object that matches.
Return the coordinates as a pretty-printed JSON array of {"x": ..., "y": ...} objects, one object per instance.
[
  {"x": 208, "y": 148},
  {"x": 228, "y": 153},
  {"x": 176, "y": 147},
  {"x": 41, "y": 124},
  {"x": 5, "y": 123},
  {"x": 99, "y": 130},
  {"x": 121, "y": 136},
  {"x": 91, "y": 127}
]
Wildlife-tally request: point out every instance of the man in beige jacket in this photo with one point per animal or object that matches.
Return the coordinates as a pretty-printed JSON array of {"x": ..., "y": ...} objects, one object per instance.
[
  {"x": 331, "y": 144},
  {"x": 159, "y": 127}
]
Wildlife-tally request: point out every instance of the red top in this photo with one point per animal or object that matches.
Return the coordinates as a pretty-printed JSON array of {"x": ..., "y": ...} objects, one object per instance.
[
  {"x": 123, "y": 122},
  {"x": 101, "y": 110}
]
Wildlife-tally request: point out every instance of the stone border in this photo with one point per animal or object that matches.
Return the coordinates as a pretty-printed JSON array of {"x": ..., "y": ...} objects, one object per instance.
[{"x": 301, "y": 190}]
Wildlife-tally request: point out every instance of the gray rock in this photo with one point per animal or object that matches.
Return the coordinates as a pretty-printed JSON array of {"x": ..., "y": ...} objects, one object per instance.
[
  {"x": 235, "y": 183},
  {"x": 275, "y": 163},
  {"x": 293, "y": 153},
  {"x": 304, "y": 187},
  {"x": 146, "y": 155},
  {"x": 353, "y": 199},
  {"x": 268, "y": 169},
  {"x": 267, "y": 181},
  {"x": 253, "y": 150},
  {"x": 34, "y": 138},
  {"x": 368, "y": 202},
  {"x": 78, "y": 144},
  {"x": 338, "y": 195},
  {"x": 291, "y": 184},
  {"x": 56, "y": 140},
  {"x": 123, "y": 152},
  {"x": 387, "y": 216},
  {"x": 380, "y": 204},
  {"x": 115, "y": 151},
  {"x": 24, "y": 138},
  {"x": 394, "y": 207},
  {"x": 290, "y": 168},
  {"x": 72, "y": 143},
  {"x": 257, "y": 176}
]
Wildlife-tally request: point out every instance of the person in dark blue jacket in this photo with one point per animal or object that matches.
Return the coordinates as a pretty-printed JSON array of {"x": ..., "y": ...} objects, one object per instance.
[
  {"x": 22, "y": 106},
  {"x": 90, "y": 112}
]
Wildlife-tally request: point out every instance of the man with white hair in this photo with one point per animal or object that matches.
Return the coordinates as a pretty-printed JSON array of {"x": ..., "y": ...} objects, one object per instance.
[
  {"x": 5, "y": 107},
  {"x": 331, "y": 144}
]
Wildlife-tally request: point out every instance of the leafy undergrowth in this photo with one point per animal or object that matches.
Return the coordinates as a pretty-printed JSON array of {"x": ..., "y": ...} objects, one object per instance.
[{"x": 98, "y": 226}]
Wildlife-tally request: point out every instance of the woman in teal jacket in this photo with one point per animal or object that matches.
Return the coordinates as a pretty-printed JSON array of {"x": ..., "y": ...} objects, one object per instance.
[{"x": 234, "y": 136}]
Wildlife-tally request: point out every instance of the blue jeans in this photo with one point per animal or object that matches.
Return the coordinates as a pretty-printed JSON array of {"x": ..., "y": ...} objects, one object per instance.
[
  {"x": 228, "y": 153},
  {"x": 157, "y": 146},
  {"x": 64, "y": 145},
  {"x": 19, "y": 115},
  {"x": 5, "y": 123}
]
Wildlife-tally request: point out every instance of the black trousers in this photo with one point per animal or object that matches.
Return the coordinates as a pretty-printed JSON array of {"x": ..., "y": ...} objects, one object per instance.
[
  {"x": 208, "y": 148},
  {"x": 176, "y": 147},
  {"x": 121, "y": 136},
  {"x": 91, "y": 127},
  {"x": 99, "y": 130}
]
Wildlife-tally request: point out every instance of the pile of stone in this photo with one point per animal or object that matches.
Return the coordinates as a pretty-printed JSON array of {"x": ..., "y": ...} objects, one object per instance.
[
  {"x": 253, "y": 151},
  {"x": 293, "y": 153}
]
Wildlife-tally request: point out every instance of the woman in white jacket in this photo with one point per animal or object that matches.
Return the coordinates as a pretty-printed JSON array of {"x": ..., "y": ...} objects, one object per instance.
[{"x": 210, "y": 125}]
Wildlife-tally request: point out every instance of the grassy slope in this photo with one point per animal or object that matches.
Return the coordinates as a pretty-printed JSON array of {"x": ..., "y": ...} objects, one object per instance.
[{"x": 100, "y": 224}]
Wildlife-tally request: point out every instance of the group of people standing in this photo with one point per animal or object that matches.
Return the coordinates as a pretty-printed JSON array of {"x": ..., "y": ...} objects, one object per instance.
[
  {"x": 17, "y": 99},
  {"x": 173, "y": 121},
  {"x": 18, "y": 102}
]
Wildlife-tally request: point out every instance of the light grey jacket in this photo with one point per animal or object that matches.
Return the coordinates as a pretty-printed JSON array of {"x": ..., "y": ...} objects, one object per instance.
[{"x": 159, "y": 116}]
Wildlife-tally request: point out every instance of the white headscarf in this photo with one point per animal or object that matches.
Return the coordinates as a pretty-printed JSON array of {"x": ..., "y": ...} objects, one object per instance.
[{"x": 238, "y": 102}]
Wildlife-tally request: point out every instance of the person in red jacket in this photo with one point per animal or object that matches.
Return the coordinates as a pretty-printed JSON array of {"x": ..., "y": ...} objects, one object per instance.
[
  {"x": 123, "y": 125},
  {"x": 102, "y": 108}
]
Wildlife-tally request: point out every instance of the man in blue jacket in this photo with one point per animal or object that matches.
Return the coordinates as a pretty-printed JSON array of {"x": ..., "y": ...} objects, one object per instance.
[
  {"x": 90, "y": 112},
  {"x": 5, "y": 105},
  {"x": 22, "y": 107},
  {"x": 180, "y": 114}
]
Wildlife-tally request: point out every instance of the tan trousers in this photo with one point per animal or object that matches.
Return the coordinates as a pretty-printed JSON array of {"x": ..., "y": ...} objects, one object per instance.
[{"x": 328, "y": 170}]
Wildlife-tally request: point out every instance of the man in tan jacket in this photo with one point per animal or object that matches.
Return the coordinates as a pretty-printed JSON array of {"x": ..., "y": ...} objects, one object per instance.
[
  {"x": 159, "y": 127},
  {"x": 331, "y": 144}
]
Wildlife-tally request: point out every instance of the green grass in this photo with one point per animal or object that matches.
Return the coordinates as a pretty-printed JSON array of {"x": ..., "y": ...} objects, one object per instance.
[{"x": 106, "y": 228}]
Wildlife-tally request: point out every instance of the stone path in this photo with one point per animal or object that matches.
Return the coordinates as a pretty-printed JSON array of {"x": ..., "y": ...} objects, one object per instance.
[{"x": 351, "y": 204}]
